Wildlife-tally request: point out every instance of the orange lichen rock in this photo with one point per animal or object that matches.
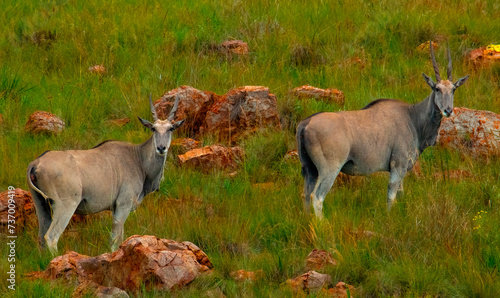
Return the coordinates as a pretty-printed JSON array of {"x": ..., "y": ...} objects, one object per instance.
[
  {"x": 155, "y": 263},
  {"x": 473, "y": 132},
  {"x": 210, "y": 157},
  {"x": 44, "y": 122}
]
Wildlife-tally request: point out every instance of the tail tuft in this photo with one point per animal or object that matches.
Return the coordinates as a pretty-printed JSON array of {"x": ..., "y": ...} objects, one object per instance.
[{"x": 308, "y": 166}]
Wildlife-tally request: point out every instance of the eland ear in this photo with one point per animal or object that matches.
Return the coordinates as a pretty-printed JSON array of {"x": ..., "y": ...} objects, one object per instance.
[
  {"x": 146, "y": 123},
  {"x": 429, "y": 81},
  {"x": 177, "y": 124},
  {"x": 460, "y": 81}
]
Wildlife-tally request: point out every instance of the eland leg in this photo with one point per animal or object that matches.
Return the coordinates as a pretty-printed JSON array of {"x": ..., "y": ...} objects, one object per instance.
[
  {"x": 395, "y": 188},
  {"x": 310, "y": 179},
  {"x": 44, "y": 215},
  {"x": 62, "y": 211},
  {"x": 121, "y": 211},
  {"x": 323, "y": 185}
]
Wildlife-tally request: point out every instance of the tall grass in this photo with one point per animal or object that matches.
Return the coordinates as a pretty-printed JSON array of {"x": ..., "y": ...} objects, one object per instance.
[{"x": 441, "y": 237}]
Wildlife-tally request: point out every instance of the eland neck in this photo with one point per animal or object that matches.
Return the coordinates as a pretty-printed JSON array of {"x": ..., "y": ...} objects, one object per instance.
[
  {"x": 427, "y": 120},
  {"x": 151, "y": 163}
]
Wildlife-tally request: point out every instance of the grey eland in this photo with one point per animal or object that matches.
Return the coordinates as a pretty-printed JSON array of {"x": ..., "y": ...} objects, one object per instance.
[
  {"x": 114, "y": 176},
  {"x": 386, "y": 135}
]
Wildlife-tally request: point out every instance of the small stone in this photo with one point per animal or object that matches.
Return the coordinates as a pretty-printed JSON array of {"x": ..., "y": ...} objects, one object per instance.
[
  {"x": 424, "y": 47},
  {"x": 238, "y": 47},
  {"x": 330, "y": 95},
  {"x": 44, "y": 122},
  {"x": 484, "y": 56},
  {"x": 309, "y": 282},
  {"x": 319, "y": 259},
  {"x": 292, "y": 155},
  {"x": 120, "y": 122},
  {"x": 98, "y": 69},
  {"x": 243, "y": 275},
  {"x": 341, "y": 290}
]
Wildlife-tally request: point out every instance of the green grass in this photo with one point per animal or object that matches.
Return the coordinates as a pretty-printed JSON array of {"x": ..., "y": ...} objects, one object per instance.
[{"x": 433, "y": 242}]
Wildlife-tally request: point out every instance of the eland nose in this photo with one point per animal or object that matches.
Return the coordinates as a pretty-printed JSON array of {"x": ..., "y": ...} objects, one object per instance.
[
  {"x": 448, "y": 112},
  {"x": 161, "y": 149}
]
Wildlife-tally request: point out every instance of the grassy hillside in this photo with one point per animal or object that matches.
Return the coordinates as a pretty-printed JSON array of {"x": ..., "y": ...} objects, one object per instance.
[{"x": 431, "y": 243}]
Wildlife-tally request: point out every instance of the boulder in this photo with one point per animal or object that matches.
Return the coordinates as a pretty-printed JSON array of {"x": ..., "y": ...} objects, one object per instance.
[
  {"x": 329, "y": 95},
  {"x": 309, "y": 282},
  {"x": 184, "y": 145},
  {"x": 242, "y": 110},
  {"x": 147, "y": 261},
  {"x": 212, "y": 157},
  {"x": 319, "y": 259},
  {"x": 193, "y": 107},
  {"x": 44, "y": 122},
  {"x": 472, "y": 132},
  {"x": 24, "y": 209}
]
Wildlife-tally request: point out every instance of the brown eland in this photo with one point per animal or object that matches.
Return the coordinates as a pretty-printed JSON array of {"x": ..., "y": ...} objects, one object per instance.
[
  {"x": 114, "y": 176},
  {"x": 386, "y": 135}
]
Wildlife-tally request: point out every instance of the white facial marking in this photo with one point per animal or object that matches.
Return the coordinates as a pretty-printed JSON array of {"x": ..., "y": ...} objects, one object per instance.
[
  {"x": 445, "y": 97},
  {"x": 162, "y": 136}
]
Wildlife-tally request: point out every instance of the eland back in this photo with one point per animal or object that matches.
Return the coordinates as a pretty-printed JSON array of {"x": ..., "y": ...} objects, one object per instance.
[
  {"x": 114, "y": 176},
  {"x": 386, "y": 135}
]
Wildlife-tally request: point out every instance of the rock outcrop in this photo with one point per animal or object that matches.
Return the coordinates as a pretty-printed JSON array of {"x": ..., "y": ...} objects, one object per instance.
[
  {"x": 193, "y": 107},
  {"x": 20, "y": 202},
  {"x": 240, "y": 111},
  {"x": 472, "y": 132},
  {"x": 212, "y": 157},
  {"x": 181, "y": 146},
  {"x": 140, "y": 261}
]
